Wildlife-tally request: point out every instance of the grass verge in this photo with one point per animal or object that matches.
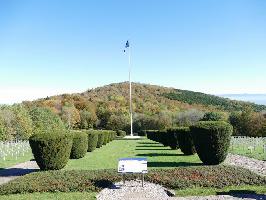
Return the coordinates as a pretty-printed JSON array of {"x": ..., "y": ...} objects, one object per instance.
[
  {"x": 245, "y": 189},
  {"x": 47, "y": 195}
]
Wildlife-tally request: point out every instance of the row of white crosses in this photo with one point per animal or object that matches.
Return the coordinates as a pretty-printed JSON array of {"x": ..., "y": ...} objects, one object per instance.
[
  {"x": 249, "y": 143},
  {"x": 13, "y": 149}
]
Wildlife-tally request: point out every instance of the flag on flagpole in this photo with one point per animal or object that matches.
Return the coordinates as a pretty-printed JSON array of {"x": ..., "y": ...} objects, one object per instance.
[{"x": 126, "y": 46}]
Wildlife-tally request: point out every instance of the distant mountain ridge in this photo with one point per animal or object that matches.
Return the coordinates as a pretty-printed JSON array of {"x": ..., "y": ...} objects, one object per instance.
[{"x": 255, "y": 98}]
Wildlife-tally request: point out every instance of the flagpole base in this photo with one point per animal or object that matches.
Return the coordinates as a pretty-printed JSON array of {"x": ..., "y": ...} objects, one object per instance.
[{"x": 132, "y": 137}]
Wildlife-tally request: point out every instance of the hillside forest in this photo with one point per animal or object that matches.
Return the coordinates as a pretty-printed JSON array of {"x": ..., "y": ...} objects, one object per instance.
[{"x": 107, "y": 107}]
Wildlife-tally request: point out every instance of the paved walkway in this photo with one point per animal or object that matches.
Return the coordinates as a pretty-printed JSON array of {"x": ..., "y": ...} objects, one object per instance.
[
  {"x": 15, "y": 171},
  {"x": 257, "y": 166}
]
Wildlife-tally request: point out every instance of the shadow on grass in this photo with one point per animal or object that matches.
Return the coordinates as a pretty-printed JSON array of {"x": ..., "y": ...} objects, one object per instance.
[
  {"x": 150, "y": 146},
  {"x": 249, "y": 194},
  {"x": 16, "y": 171},
  {"x": 173, "y": 164},
  {"x": 159, "y": 154},
  {"x": 130, "y": 139},
  {"x": 103, "y": 183},
  {"x": 153, "y": 149},
  {"x": 148, "y": 143}
]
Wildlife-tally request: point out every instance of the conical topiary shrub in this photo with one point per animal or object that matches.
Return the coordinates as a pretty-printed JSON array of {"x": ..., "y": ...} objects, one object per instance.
[
  {"x": 212, "y": 140},
  {"x": 51, "y": 151}
]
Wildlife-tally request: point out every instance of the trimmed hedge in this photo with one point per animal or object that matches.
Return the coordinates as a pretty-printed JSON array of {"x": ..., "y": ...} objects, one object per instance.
[
  {"x": 80, "y": 145},
  {"x": 212, "y": 140},
  {"x": 51, "y": 151},
  {"x": 106, "y": 137},
  {"x": 152, "y": 135},
  {"x": 100, "y": 139},
  {"x": 113, "y": 135},
  {"x": 92, "y": 140},
  {"x": 172, "y": 138},
  {"x": 185, "y": 140},
  {"x": 91, "y": 180}
]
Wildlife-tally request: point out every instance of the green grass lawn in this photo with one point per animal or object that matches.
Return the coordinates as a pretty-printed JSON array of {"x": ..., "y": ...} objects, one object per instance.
[
  {"x": 57, "y": 196},
  {"x": 224, "y": 191},
  {"x": 158, "y": 156},
  {"x": 10, "y": 161}
]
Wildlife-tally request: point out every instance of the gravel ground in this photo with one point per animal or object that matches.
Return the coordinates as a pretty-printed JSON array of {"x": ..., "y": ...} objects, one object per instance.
[
  {"x": 15, "y": 171},
  {"x": 133, "y": 190},
  {"x": 257, "y": 166}
]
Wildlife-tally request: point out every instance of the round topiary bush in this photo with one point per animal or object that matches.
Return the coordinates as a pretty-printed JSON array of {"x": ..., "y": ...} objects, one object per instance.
[
  {"x": 51, "y": 151},
  {"x": 185, "y": 141},
  {"x": 80, "y": 144},
  {"x": 121, "y": 133},
  {"x": 92, "y": 140},
  {"x": 100, "y": 139},
  {"x": 212, "y": 140},
  {"x": 172, "y": 138}
]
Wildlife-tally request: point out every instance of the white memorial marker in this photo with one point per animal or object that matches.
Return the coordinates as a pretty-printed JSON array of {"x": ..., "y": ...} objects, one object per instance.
[{"x": 131, "y": 166}]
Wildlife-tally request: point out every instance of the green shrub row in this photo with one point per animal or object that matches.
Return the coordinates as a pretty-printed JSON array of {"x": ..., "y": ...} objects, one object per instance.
[
  {"x": 167, "y": 138},
  {"x": 90, "y": 180},
  {"x": 52, "y": 151},
  {"x": 98, "y": 138},
  {"x": 210, "y": 139}
]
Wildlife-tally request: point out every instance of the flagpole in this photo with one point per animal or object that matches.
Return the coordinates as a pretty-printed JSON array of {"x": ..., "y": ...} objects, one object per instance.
[{"x": 130, "y": 91}]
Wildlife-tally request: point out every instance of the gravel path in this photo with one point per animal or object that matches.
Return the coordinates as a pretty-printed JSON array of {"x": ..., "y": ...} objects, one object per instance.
[
  {"x": 257, "y": 166},
  {"x": 133, "y": 190},
  {"x": 15, "y": 171}
]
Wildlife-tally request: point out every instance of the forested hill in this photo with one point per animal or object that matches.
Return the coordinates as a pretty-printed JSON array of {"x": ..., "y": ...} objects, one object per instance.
[
  {"x": 152, "y": 98},
  {"x": 155, "y": 107},
  {"x": 147, "y": 99},
  {"x": 207, "y": 100}
]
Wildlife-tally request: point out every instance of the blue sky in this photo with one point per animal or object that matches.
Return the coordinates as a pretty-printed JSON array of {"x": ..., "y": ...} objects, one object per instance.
[{"x": 50, "y": 47}]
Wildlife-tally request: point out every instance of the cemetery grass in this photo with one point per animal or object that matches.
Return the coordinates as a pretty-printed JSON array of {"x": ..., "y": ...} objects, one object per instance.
[
  {"x": 10, "y": 161},
  {"x": 158, "y": 156},
  {"x": 244, "y": 151}
]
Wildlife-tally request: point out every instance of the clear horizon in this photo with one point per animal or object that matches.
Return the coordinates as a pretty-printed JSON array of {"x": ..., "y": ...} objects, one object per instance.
[{"x": 49, "y": 48}]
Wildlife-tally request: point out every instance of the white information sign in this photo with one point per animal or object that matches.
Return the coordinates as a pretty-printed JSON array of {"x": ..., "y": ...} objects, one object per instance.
[{"x": 132, "y": 165}]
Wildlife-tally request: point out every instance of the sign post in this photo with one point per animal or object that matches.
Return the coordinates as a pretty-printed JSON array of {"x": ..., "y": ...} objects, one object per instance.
[{"x": 132, "y": 166}]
